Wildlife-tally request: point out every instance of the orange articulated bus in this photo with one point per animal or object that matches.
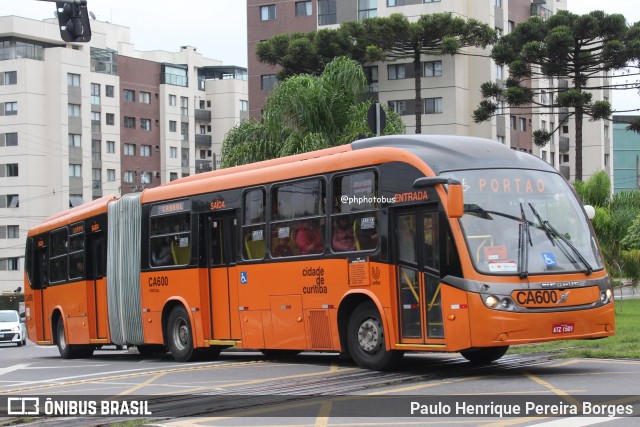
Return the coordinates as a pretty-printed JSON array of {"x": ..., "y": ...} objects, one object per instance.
[{"x": 372, "y": 249}]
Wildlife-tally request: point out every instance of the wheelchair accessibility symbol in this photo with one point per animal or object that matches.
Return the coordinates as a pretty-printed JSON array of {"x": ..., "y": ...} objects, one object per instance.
[
  {"x": 243, "y": 278},
  {"x": 549, "y": 259}
]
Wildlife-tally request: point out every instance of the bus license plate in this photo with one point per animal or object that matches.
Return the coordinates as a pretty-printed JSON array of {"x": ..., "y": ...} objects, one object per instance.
[{"x": 562, "y": 328}]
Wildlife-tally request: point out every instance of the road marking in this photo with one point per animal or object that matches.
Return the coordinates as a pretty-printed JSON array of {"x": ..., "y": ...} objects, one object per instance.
[
  {"x": 577, "y": 421},
  {"x": 144, "y": 384},
  {"x": 13, "y": 368}
]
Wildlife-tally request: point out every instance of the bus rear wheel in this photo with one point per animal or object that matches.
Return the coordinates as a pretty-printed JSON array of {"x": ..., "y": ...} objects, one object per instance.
[
  {"x": 68, "y": 351},
  {"x": 180, "y": 335},
  {"x": 482, "y": 356},
  {"x": 366, "y": 339}
]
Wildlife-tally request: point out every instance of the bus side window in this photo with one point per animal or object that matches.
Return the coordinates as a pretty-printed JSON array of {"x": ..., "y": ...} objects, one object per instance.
[
  {"x": 170, "y": 239},
  {"x": 58, "y": 260},
  {"x": 253, "y": 225}
]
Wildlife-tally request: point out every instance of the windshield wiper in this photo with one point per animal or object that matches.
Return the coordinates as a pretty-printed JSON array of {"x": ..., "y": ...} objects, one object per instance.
[
  {"x": 523, "y": 249},
  {"x": 542, "y": 224},
  {"x": 547, "y": 226}
]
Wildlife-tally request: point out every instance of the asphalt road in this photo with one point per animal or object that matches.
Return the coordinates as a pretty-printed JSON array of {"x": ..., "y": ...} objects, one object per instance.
[{"x": 245, "y": 389}]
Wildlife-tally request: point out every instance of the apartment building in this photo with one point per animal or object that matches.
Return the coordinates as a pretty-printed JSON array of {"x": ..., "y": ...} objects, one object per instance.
[
  {"x": 80, "y": 121},
  {"x": 450, "y": 84}
]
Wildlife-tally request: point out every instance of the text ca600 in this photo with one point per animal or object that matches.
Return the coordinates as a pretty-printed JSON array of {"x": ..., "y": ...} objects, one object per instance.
[{"x": 159, "y": 281}]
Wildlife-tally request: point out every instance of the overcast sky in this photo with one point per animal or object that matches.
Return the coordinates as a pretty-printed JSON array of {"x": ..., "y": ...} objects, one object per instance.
[{"x": 218, "y": 28}]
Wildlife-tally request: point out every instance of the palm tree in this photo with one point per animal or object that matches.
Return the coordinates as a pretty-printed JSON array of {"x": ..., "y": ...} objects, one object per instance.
[{"x": 305, "y": 113}]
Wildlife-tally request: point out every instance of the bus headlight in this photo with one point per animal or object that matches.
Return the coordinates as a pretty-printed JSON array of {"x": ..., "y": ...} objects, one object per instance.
[
  {"x": 506, "y": 303},
  {"x": 491, "y": 301},
  {"x": 606, "y": 296},
  {"x": 609, "y": 294}
]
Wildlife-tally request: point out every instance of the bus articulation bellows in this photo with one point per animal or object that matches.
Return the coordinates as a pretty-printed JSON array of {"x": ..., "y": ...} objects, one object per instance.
[{"x": 372, "y": 249}]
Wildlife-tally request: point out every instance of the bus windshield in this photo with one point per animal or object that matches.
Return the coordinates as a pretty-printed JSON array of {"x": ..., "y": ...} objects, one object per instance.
[{"x": 523, "y": 222}]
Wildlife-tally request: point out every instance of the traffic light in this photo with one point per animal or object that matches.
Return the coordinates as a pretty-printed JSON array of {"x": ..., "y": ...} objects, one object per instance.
[{"x": 73, "y": 20}]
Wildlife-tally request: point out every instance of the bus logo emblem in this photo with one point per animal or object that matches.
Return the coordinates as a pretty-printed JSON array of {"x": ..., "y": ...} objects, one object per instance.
[{"x": 563, "y": 297}]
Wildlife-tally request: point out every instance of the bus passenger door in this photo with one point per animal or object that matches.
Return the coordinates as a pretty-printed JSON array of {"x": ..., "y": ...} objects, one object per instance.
[
  {"x": 221, "y": 234},
  {"x": 97, "y": 292},
  {"x": 41, "y": 281},
  {"x": 417, "y": 246}
]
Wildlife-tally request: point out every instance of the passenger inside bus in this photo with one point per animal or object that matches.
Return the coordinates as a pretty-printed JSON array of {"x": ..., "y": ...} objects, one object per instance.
[
  {"x": 308, "y": 239},
  {"x": 343, "y": 237},
  {"x": 161, "y": 252}
]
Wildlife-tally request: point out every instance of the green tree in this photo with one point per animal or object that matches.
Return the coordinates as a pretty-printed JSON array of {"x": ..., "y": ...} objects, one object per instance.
[
  {"x": 305, "y": 113},
  {"x": 378, "y": 39},
  {"x": 578, "y": 48}
]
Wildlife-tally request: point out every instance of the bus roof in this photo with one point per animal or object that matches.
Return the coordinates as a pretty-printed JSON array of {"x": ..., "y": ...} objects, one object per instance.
[
  {"x": 445, "y": 153},
  {"x": 72, "y": 215}
]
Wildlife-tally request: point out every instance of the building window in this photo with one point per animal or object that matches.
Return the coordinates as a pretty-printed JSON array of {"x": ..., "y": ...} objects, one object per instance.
[
  {"x": 74, "y": 110},
  {"x": 108, "y": 91},
  {"x": 13, "y": 264},
  {"x": 111, "y": 119},
  {"x": 10, "y": 77},
  {"x": 145, "y": 124},
  {"x": 392, "y": 3},
  {"x": 606, "y": 131},
  {"x": 184, "y": 106},
  {"x": 95, "y": 116},
  {"x": 501, "y": 139},
  {"x": 13, "y": 232},
  {"x": 145, "y": 151},
  {"x": 111, "y": 175},
  {"x": 10, "y": 169},
  {"x": 244, "y": 105},
  {"x": 499, "y": 72},
  {"x": 145, "y": 97},
  {"x": 430, "y": 1},
  {"x": 95, "y": 94},
  {"x": 129, "y": 149},
  {"x": 433, "y": 68},
  {"x": 303, "y": 8},
  {"x": 73, "y": 79},
  {"x": 523, "y": 124},
  {"x": 128, "y": 176},
  {"x": 565, "y": 129},
  {"x": 268, "y": 12},
  {"x": 499, "y": 107},
  {"x": 327, "y": 12},
  {"x": 96, "y": 179},
  {"x": 129, "y": 122},
  {"x": 96, "y": 149},
  {"x": 129, "y": 95},
  {"x": 367, "y": 9},
  {"x": 184, "y": 131},
  {"x": 268, "y": 81},
  {"x": 203, "y": 129},
  {"x": 145, "y": 178},
  {"x": 173, "y": 152},
  {"x": 10, "y": 139},
  {"x": 512, "y": 122},
  {"x": 398, "y": 106},
  {"x": 111, "y": 147},
  {"x": 433, "y": 105},
  {"x": 606, "y": 160},
  {"x": 75, "y": 140},
  {"x": 10, "y": 108},
  {"x": 173, "y": 176},
  {"x": 510, "y": 26},
  {"x": 75, "y": 170},
  {"x": 396, "y": 71},
  {"x": 172, "y": 125},
  {"x": 10, "y": 201},
  {"x": 172, "y": 100},
  {"x": 498, "y": 3}
]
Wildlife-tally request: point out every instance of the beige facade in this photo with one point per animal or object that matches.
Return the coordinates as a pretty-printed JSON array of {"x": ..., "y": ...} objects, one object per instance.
[{"x": 61, "y": 123}]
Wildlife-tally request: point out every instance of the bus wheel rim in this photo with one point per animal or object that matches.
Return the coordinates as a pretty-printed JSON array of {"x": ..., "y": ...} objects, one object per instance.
[
  {"x": 62, "y": 340},
  {"x": 181, "y": 334},
  {"x": 369, "y": 335}
]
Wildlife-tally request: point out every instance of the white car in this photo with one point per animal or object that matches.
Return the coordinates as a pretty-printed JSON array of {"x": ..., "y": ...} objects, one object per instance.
[{"x": 12, "y": 330}]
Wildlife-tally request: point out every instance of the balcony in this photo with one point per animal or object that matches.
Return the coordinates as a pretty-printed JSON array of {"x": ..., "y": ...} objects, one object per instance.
[
  {"x": 203, "y": 166},
  {"x": 564, "y": 143},
  {"x": 541, "y": 11},
  {"x": 203, "y": 140},
  {"x": 203, "y": 115}
]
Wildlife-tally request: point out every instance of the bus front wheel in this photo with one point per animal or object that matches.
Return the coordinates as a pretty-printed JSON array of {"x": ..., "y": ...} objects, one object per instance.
[
  {"x": 366, "y": 339},
  {"x": 180, "y": 335},
  {"x": 482, "y": 356},
  {"x": 68, "y": 351}
]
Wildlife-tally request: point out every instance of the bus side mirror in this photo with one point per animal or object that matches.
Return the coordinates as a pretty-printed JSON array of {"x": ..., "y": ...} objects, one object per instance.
[
  {"x": 455, "y": 201},
  {"x": 590, "y": 211}
]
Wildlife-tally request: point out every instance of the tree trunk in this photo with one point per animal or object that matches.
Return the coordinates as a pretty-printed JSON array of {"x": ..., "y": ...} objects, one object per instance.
[
  {"x": 579, "y": 116},
  {"x": 417, "y": 70}
]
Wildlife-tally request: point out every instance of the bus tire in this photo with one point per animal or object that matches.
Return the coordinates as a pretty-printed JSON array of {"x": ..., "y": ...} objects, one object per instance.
[
  {"x": 482, "y": 356},
  {"x": 366, "y": 339},
  {"x": 180, "y": 335},
  {"x": 67, "y": 351}
]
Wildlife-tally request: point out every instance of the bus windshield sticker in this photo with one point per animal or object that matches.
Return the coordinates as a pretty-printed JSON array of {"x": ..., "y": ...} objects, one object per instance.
[
  {"x": 257, "y": 235},
  {"x": 283, "y": 233},
  {"x": 549, "y": 259},
  {"x": 503, "y": 266},
  {"x": 184, "y": 242}
]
